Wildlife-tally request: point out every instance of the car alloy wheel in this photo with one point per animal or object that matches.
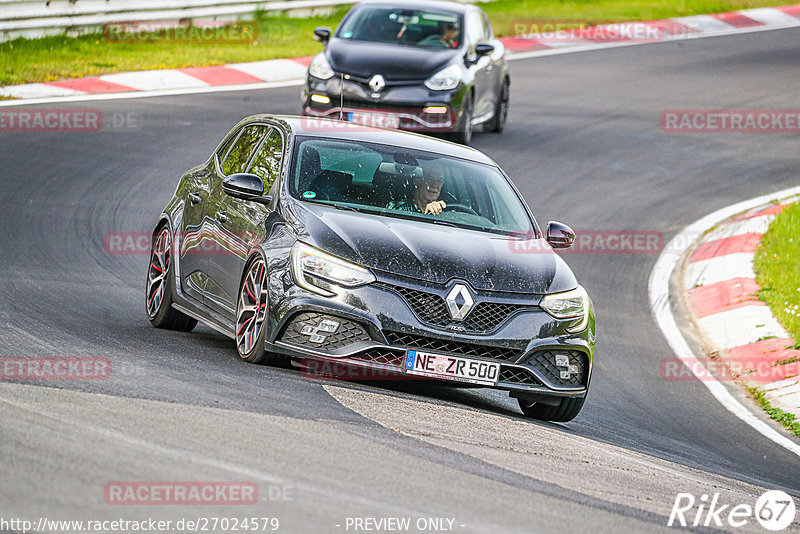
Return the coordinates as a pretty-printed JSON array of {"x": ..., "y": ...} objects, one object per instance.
[
  {"x": 252, "y": 308},
  {"x": 160, "y": 258}
]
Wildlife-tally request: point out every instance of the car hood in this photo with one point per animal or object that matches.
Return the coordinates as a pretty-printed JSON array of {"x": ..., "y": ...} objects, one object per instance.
[
  {"x": 436, "y": 253},
  {"x": 393, "y": 62}
]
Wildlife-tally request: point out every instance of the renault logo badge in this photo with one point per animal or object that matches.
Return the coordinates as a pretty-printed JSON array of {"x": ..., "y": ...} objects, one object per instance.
[
  {"x": 459, "y": 302},
  {"x": 377, "y": 83}
]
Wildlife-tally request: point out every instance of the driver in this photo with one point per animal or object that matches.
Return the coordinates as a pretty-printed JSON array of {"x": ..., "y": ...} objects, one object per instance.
[
  {"x": 427, "y": 189},
  {"x": 447, "y": 38}
]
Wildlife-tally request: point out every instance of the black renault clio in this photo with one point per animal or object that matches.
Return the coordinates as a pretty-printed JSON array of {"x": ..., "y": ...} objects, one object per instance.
[
  {"x": 425, "y": 66},
  {"x": 312, "y": 240}
]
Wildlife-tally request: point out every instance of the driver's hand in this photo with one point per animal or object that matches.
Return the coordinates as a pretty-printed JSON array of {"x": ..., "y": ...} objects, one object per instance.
[{"x": 435, "y": 208}]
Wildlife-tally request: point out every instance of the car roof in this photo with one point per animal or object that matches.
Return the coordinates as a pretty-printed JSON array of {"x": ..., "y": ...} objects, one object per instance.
[
  {"x": 422, "y": 4},
  {"x": 330, "y": 129}
]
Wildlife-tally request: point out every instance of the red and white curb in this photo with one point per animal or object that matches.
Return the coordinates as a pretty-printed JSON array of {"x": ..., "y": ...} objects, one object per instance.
[
  {"x": 660, "y": 291},
  {"x": 256, "y": 74},
  {"x": 722, "y": 292}
]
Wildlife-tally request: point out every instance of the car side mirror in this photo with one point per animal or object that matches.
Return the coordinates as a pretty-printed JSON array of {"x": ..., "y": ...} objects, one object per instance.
[
  {"x": 246, "y": 186},
  {"x": 560, "y": 235},
  {"x": 322, "y": 34},
  {"x": 483, "y": 49}
]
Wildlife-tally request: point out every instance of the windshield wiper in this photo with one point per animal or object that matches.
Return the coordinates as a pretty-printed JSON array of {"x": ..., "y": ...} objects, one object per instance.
[
  {"x": 442, "y": 223},
  {"x": 347, "y": 208}
]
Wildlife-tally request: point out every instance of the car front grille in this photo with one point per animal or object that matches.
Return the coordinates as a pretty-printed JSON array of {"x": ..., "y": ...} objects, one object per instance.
[
  {"x": 413, "y": 341},
  {"x": 345, "y": 334},
  {"x": 381, "y": 356},
  {"x": 431, "y": 309},
  {"x": 517, "y": 376}
]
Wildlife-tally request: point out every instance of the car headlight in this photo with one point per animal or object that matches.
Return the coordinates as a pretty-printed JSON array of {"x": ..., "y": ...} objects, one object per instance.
[
  {"x": 320, "y": 68},
  {"x": 446, "y": 79},
  {"x": 569, "y": 305},
  {"x": 312, "y": 268}
]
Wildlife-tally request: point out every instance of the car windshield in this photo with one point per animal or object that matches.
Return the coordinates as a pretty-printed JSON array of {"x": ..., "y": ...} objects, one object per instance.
[
  {"x": 415, "y": 27},
  {"x": 402, "y": 183}
]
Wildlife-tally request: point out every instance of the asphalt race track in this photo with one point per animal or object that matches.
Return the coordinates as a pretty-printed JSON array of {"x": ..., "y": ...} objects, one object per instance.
[{"x": 585, "y": 147}]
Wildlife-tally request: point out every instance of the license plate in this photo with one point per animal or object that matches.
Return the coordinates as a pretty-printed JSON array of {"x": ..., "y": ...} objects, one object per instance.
[
  {"x": 375, "y": 120},
  {"x": 451, "y": 368}
]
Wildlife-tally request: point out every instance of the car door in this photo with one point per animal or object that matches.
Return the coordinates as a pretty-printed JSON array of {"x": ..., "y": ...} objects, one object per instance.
[
  {"x": 196, "y": 228},
  {"x": 226, "y": 245},
  {"x": 474, "y": 34}
]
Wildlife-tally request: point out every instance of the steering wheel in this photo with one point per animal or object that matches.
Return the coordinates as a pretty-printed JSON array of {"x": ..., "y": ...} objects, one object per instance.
[{"x": 461, "y": 208}]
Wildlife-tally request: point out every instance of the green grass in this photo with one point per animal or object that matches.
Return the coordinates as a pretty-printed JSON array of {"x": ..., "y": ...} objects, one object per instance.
[
  {"x": 61, "y": 57},
  {"x": 785, "y": 419},
  {"x": 777, "y": 266}
]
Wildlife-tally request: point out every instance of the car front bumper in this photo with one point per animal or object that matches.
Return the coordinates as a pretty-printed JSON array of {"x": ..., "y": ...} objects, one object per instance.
[
  {"x": 408, "y": 106},
  {"x": 380, "y": 322}
]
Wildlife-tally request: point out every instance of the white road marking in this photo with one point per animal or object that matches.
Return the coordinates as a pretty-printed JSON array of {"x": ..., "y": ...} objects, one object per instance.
[
  {"x": 31, "y": 91},
  {"x": 272, "y": 70},
  {"x": 658, "y": 290},
  {"x": 754, "y": 225},
  {"x": 740, "y": 326},
  {"x": 720, "y": 269},
  {"x": 154, "y": 80}
]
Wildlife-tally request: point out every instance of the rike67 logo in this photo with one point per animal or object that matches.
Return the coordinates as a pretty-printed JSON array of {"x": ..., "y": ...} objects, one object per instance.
[{"x": 774, "y": 510}]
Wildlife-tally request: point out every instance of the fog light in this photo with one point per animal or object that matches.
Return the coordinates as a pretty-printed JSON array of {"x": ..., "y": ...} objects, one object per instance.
[
  {"x": 314, "y": 333},
  {"x": 327, "y": 326},
  {"x": 435, "y": 110},
  {"x": 320, "y": 99}
]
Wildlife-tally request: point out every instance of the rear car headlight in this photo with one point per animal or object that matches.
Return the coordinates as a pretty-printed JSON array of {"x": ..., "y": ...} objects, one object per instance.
[
  {"x": 320, "y": 68},
  {"x": 315, "y": 270},
  {"x": 572, "y": 304},
  {"x": 444, "y": 80}
]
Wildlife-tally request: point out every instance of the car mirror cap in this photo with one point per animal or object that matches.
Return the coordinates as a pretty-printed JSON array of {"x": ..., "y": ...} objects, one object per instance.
[
  {"x": 322, "y": 34},
  {"x": 559, "y": 235},
  {"x": 245, "y": 186},
  {"x": 484, "y": 49}
]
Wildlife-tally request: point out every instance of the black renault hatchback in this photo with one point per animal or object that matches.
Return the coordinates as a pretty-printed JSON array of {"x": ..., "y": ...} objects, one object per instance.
[
  {"x": 425, "y": 66},
  {"x": 318, "y": 241}
]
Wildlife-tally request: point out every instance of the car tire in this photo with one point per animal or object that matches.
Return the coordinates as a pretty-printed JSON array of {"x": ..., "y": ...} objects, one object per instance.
[
  {"x": 464, "y": 134},
  {"x": 251, "y": 316},
  {"x": 566, "y": 409},
  {"x": 498, "y": 122},
  {"x": 160, "y": 286}
]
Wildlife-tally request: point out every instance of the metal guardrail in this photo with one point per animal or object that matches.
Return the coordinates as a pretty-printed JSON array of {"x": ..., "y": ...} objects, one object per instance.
[{"x": 36, "y": 18}]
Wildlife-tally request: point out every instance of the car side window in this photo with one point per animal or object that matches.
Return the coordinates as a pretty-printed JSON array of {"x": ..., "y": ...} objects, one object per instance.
[
  {"x": 225, "y": 148},
  {"x": 239, "y": 155},
  {"x": 267, "y": 162}
]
